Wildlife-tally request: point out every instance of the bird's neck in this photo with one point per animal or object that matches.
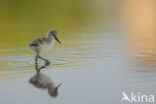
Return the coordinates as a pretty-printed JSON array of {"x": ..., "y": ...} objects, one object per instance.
[{"x": 50, "y": 37}]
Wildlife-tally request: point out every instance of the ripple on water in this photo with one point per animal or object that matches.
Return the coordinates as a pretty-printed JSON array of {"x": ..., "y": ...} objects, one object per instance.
[{"x": 16, "y": 61}]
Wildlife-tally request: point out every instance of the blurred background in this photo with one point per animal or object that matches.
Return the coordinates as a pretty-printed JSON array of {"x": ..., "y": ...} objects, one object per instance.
[
  {"x": 109, "y": 46},
  {"x": 31, "y": 18}
]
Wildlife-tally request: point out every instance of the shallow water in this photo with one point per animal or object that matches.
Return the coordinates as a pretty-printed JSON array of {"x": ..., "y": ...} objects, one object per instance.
[
  {"x": 94, "y": 70},
  {"x": 95, "y": 63}
]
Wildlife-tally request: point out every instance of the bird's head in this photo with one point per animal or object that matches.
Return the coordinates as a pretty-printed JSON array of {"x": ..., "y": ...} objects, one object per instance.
[
  {"x": 54, "y": 33},
  {"x": 54, "y": 92}
]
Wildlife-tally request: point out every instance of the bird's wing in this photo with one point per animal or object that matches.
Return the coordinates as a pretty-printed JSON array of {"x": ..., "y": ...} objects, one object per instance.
[
  {"x": 45, "y": 40},
  {"x": 37, "y": 41}
]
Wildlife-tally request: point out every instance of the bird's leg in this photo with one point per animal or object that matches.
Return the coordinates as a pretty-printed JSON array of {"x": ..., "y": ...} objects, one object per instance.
[
  {"x": 47, "y": 62},
  {"x": 37, "y": 69},
  {"x": 36, "y": 60},
  {"x": 36, "y": 64}
]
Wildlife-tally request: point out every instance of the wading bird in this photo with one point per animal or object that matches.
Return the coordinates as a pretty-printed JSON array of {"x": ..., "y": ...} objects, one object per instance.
[
  {"x": 42, "y": 81},
  {"x": 43, "y": 44}
]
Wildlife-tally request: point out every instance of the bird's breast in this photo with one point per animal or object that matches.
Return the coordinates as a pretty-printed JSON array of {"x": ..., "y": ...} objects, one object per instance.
[{"x": 47, "y": 46}]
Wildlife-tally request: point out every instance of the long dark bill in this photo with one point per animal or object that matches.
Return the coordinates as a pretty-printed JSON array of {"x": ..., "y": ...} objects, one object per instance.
[
  {"x": 57, "y": 39},
  {"x": 59, "y": 85}
]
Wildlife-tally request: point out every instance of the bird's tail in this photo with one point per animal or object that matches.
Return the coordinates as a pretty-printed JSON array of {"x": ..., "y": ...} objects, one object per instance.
[
  {"x": 33, "y": 44},
  {"x": 30, "y": 44}
]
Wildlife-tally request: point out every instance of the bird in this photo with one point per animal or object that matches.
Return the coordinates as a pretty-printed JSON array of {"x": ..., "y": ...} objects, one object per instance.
[
  {"x": 41, "y": 81},
  {"x": 44, "y": 44}
]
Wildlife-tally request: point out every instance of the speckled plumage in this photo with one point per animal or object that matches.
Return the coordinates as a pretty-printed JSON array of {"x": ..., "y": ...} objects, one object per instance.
[
  {"x": 42, "y": 81},
  {"x": 43, "y": 44}
]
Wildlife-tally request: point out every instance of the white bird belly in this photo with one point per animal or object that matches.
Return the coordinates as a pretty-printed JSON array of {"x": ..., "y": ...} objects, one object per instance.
[{"x": 46, "y": 47}]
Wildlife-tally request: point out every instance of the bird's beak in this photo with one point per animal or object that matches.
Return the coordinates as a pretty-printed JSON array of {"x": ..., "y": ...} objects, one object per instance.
[
  {"x": 57, "y": 39},
  {"x": 58, "y": 85},
  {"x": 56, "y": 88}
]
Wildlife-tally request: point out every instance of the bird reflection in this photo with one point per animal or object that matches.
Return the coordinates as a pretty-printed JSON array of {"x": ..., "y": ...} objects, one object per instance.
[{"x": 41, "y": 81}]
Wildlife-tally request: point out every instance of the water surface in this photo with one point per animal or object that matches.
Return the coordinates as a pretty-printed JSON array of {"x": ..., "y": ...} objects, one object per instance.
[{"x": 95, "y": 63}]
